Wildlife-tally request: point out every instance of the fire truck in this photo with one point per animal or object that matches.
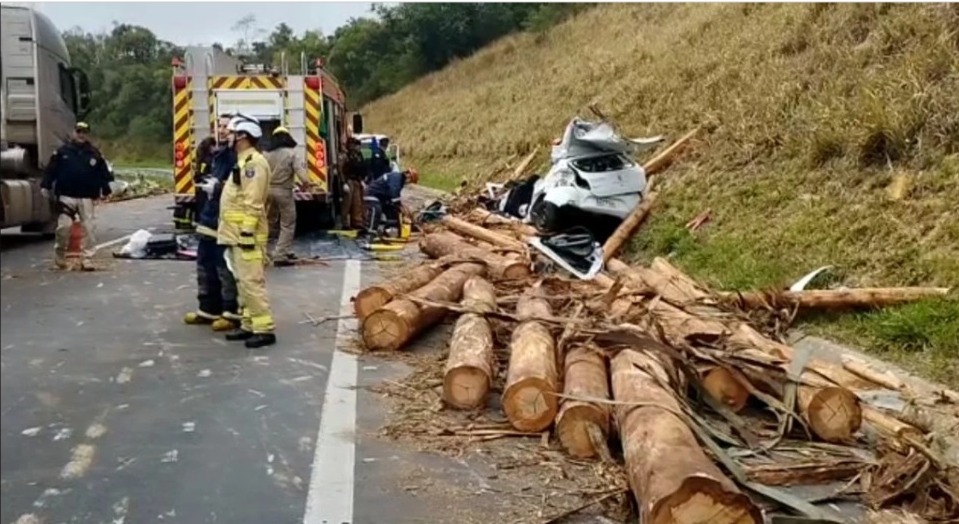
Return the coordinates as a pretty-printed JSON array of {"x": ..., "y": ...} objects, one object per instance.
[{"x": 208, "y": 82}]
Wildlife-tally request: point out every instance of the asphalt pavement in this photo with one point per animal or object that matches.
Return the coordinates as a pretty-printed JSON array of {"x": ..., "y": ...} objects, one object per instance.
[{"x": 115, "y": 411}]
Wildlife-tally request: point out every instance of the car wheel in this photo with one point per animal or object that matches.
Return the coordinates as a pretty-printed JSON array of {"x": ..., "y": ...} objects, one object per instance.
[{"x": 545, "y": 216}]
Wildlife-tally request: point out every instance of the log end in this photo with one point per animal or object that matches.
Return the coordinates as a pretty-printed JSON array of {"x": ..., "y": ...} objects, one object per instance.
[
  {"x": 530, "y": 404},
  {"x": 516, "y": 271},
  {"x": 703, "y": 499},
  {"x": 725, "y": 389},
  {"x": 369, "y": 300},
  {"x": 573, "y": 428},
  {"x": 383, "y": 329},
  {"x": 834, "y": 414},
  {"x": 466, "y": 387}
]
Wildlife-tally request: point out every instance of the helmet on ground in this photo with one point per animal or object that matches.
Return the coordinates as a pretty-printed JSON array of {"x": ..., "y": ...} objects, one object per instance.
[
  {"x": 412, "y": 176},
  {"x": 245, "y": 124}
]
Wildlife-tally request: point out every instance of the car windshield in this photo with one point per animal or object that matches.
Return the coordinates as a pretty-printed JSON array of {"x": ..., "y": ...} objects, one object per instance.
[{"x": 602, "y": 163}]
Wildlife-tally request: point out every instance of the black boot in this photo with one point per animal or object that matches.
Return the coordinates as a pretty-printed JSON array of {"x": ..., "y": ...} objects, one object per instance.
[
  {"x": 260, "y": 340},
  {"x": 239, "y": 334}
]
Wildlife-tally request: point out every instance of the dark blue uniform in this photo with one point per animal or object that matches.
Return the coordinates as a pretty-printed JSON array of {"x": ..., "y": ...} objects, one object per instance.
[
  {"x": 216, "y": 286},
  {"x": 77, "y": 170}
]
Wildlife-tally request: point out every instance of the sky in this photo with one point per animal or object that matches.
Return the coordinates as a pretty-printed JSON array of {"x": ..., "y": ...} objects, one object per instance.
[{"x": 201, "y": 23}]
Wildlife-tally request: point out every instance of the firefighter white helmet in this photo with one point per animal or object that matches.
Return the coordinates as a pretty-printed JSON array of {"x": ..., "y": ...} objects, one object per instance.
[{"x": 245, "y": 124}]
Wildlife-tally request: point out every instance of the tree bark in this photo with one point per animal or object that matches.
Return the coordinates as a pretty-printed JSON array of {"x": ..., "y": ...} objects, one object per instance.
[
  {"x": 582, "y": 426},
  {"x": 481, "y": 233},
  {"x": 863, "y": 298},
  {"x": 442, "y": 244},
  {"x": 373, "y": 297},
  {"x": 624, "y": 232},
  {"x": 393, "y": 325},
  {"x": 832, "y": 412},
  {"x": 665, "y": 158},
  {"x": 672, "y": 479},
  {"x": 471, "y": 365},
  {"x": 529, "y": 398}
]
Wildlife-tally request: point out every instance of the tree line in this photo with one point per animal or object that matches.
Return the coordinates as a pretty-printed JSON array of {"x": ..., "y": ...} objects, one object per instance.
[{"x": 129, "y": 67}]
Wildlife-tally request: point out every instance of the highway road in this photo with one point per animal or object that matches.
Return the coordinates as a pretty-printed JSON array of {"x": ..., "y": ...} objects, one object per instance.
[{"x": 115, "y": 411}]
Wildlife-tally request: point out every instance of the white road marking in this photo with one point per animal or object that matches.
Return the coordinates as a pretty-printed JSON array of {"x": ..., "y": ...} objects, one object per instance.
[
  {"x": 113, "y": 242},
  {"x": 330, "y": 495},
  {"x": 79, "y": 463}
]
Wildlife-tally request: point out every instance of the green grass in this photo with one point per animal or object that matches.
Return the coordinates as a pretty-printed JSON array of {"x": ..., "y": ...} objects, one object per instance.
[
  {"x": 443, "y": 182},
  {"x": 922, "y": 337},
  {"x": 810, "y": 112}
]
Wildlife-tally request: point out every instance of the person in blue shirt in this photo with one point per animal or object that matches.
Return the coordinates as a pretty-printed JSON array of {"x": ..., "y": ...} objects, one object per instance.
[
  {"x": 216, "y": 285},
  {"x": 384, "y": 196}
]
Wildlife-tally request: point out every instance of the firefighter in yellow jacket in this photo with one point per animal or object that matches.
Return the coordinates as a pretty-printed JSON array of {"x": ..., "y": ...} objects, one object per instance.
[{"x": 244, "y": 229}]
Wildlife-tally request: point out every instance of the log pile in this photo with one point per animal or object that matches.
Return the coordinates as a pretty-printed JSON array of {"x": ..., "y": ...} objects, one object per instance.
[{"x": 712, "y": 414}]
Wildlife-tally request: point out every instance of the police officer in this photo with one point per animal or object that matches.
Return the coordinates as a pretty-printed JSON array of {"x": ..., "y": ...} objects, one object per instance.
[
  {"x": 285, "y": 170},
  {"x": 244, "y": 230},
  {"x": 216, "y": 286},
  {"x": 76, "y": 176}
]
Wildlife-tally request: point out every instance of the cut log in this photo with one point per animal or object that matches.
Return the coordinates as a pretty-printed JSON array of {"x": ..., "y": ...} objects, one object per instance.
[
  {"x": 666, "y": 157},
  {"x": 628, "y": 227},
  {"x": 470, "y": 366},
  {"x": 529, "y": 398},
  {"x": 863, "y": 370},
  {"x": 582, "y": 426},
  {"x": 672, "y": 479},
  {"x": 901, "y": 432},
  {"x": 481, "y": 233},
  {"x": 724, "y": 387},
  {"x": 863, "y": 298},
  {"x": 373, "y": 297},
  {"x": 442, "y": 244},
  {"x": 393, "y": 325},
  {"x": 832, "y": 411}
]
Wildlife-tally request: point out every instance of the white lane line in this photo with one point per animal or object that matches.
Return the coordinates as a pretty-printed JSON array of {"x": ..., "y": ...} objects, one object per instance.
[
  {"x": 113, "y": 242},
  {"x": 329, "y": 499},
  {"x": 116, "y": 241}
]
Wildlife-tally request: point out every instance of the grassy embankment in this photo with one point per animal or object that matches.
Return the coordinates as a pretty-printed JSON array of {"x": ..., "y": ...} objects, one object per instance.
[{"x": 813, "y": 112}]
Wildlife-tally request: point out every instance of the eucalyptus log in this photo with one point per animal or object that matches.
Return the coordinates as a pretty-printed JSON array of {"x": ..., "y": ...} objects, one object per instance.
[{"x": 470, "y": 366}]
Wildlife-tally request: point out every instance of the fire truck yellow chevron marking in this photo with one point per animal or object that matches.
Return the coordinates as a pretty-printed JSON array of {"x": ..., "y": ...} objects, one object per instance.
[
  {"x": 182, "y": 138},
  {"x": 316, "y": 169}
]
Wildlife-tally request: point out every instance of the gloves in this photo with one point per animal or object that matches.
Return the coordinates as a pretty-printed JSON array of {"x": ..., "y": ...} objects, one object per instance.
[
  {"x": 45, "y": 193},
  {"x": 246, "y": 240},
  {"x": 346, "y": 189},
  {"x": 208, "y": 185}
]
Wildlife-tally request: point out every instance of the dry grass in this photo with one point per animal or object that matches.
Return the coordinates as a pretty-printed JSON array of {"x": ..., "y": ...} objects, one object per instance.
[{"x": 812, "y": 110}]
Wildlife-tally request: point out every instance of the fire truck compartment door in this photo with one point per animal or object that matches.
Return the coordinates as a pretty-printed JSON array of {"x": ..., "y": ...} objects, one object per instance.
[{"x": 264, "y": 105}]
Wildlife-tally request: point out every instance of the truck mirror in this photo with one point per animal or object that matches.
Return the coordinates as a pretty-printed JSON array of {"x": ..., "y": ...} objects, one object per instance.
[{"x": 357, "y": 123}]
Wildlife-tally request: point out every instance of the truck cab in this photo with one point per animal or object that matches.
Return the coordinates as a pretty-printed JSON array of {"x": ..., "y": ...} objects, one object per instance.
[{"x": 42, "y": 97}]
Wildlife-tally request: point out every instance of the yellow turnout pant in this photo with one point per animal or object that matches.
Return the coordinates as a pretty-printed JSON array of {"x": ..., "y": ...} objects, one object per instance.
[{"x": 248, "y": 268}]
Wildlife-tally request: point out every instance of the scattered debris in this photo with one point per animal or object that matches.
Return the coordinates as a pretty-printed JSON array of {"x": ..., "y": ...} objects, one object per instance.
[{"x": 708, "y": 401}]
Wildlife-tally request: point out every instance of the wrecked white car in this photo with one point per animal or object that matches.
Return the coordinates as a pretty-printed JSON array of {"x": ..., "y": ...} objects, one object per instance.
[{"x": 593, "y": 181}]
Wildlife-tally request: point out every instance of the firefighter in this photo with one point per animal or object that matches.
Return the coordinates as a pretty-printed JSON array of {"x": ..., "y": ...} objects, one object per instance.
[
  {"x": 244, "y": 230},
  {"x": 355, "y": 171},
  {"x": 76, "y": 176},
  {"x": 216, "y": 286},
  {"x": 285, "y": 170}
]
